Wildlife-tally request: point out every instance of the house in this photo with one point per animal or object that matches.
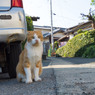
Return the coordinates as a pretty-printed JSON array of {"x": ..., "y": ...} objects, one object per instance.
[
  {"x": 72, "y": 31},
  {"x": 46, "y": 31},
  {"x": 84, "y": 26},
  {"x": 63, "y": 40}
]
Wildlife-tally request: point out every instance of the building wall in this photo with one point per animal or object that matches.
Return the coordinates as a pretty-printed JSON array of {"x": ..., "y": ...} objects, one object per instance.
[
  {"x": 71, "y": 36},
  {"x": 46, "y": 40},
  {"x": 59, "y": 35}
]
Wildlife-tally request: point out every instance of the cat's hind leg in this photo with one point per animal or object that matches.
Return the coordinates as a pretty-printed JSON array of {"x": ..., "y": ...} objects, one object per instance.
[{"x": 21, "y": 77}]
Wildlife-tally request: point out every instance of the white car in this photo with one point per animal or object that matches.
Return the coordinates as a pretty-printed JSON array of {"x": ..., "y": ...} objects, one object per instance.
[{"x": 13, "y": 29}]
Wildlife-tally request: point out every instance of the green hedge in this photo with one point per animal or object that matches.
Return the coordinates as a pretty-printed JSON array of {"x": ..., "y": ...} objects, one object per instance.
[
  {"x": 82, "y": 50},
  {"x": 81, "y": 31},
  {"x": 90, "y": 52},
  {"x": 77, "y": 45}
]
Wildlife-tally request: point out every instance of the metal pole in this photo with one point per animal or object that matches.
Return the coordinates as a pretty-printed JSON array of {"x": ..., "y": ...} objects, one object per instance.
[{"x": 52, "y": 42}]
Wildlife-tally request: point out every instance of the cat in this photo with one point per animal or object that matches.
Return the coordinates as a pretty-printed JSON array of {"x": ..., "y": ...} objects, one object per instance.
[{"x": 29, "y": 67}]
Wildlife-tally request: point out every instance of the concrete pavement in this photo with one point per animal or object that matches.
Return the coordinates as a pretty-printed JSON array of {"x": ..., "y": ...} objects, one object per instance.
[
  {"x": 74, "y": 76},
  {"x": 45, "y": 87},
  {"x": 61, "y": 76}
]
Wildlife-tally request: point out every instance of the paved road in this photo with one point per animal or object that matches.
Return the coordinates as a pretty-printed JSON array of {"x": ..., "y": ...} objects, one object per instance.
[
  {"x": 45, "y": 87},
  {"x": 61, "y": 76},
  {"x": 74, "y": 76}
]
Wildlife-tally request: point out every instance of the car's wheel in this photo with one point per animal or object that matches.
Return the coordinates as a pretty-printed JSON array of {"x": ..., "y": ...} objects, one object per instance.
[{"x": 12, "y": 55}]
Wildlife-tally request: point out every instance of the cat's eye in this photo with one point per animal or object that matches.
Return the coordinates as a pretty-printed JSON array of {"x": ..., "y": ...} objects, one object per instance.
[
  {"x": 39, "y": 37},
  {"x": 33, "y": 37}
]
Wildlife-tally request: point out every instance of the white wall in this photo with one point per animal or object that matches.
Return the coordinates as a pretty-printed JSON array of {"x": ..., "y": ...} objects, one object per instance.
[{"x": 71, "y": 36}]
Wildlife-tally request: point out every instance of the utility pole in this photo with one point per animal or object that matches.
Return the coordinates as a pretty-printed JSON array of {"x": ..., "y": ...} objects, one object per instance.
[{"x": 52, "y": 42}]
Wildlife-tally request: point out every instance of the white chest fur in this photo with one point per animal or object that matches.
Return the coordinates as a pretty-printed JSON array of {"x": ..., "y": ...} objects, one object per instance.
[{"x": 34, "y": 53}]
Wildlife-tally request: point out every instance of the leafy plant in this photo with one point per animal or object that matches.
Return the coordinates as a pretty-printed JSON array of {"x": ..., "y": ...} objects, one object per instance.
[
  {"x": 92, "y": 2},
  {"x": 80, "y": 31},
  {"x": 81, "y": 51},
  {"x": 53, "y": 52},
  {"x": 90, "y": 52},
  {"x": 29, "y": 28},
  {"x": 29, "y": 23},
  {"x": 76, "y": 44}
]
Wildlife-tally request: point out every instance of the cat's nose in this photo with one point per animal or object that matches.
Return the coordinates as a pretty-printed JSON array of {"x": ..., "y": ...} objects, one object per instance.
[{"x": 36, "y": 41}]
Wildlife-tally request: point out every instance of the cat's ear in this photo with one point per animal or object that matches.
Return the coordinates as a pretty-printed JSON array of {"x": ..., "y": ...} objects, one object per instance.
[
  {"x": 41, "y": 35},
  {"x": 29, "y": 36}
]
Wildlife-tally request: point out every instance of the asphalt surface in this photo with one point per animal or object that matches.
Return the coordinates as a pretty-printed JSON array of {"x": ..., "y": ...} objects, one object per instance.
[
  {"x": 61, "y": 76},
  {"x": 74, "y": 76},
  {"x": 46, "y": 87}
]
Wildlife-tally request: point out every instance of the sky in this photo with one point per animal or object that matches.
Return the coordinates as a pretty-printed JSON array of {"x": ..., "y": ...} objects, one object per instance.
[{"x": 67, "y": 11}]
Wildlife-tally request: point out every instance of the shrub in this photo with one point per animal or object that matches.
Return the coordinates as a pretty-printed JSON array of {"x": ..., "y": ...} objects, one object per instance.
[
  {"x": 75, "y": 44},
  {"x": 29, "y": 23},
  {"x": 90, "y": 52},
  {"x": 29, "y": 28},
  {"x": 81, "y": 31},
  {"x": 81, "y": 51},
  {"x": 55, "y": 47}
]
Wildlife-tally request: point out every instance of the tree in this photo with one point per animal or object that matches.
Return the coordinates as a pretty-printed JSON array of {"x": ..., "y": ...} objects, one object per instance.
[
  {"x": 90, "y": 16},
  {"x": 92, "y": 2},
  {"x": 29, "y": 28},
  {"x": 29, "y": 23}
]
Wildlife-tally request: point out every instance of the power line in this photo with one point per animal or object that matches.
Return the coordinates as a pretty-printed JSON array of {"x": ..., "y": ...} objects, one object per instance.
[{"x": 66, "y": 18}]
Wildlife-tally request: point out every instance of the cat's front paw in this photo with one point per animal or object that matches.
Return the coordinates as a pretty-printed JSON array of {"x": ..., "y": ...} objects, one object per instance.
[
  {"x": 28, "y": 81},
  {"x": 37, "y": 79}
]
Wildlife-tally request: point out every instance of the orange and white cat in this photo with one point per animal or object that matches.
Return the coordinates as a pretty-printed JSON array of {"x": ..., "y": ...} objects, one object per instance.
[{"x": 30, "y": 60}]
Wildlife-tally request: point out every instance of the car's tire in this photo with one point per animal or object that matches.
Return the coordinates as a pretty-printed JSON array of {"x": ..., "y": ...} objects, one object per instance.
[{"x": 12, "y": 56}]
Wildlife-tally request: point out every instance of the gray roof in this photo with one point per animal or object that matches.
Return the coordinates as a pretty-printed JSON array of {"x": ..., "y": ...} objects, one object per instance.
[
  {"x": 79, "y": 26},
  {"x": 48, "y": 27},
  {"x": 54, "y": 31}
]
